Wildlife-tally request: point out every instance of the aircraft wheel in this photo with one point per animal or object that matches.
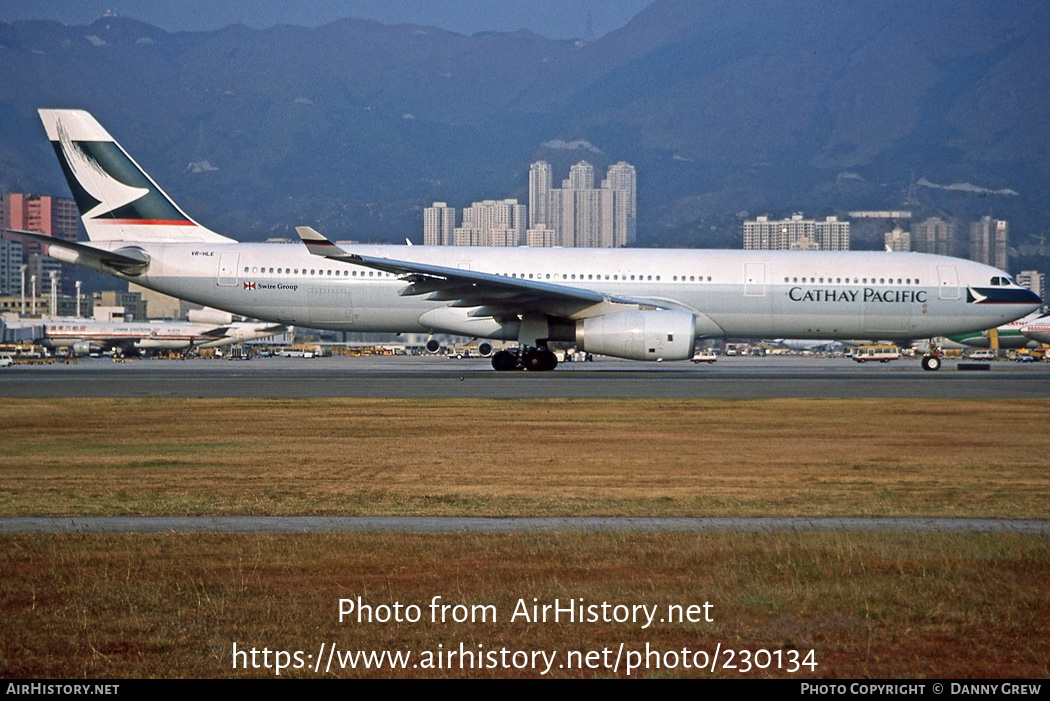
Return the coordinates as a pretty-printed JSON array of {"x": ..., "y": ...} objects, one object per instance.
[
  {"x": 504, "y": 360},
  {"x": 931, "y": 363},
  {"x": 550, "y": 361},
  {"x": 532, "y": 360},
  {"x": 540, "y": 359}
]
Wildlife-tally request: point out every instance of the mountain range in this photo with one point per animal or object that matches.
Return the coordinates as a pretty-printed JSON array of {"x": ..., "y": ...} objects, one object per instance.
[{"x": 763, "y": 106}]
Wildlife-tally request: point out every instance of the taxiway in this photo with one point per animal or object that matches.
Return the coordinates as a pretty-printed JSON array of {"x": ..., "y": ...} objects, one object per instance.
[{"x": 438, "y": 377}]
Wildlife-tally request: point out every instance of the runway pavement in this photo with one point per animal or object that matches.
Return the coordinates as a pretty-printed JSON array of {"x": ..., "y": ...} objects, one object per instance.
[{"x": 428, "y": 377}]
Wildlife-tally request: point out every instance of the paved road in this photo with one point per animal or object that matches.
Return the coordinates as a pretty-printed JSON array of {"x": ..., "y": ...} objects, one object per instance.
[{"x": 434, "y": 377}]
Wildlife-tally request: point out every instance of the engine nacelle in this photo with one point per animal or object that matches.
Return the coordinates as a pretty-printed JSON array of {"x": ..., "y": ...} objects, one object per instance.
[
  {"x": 83, "y": 347},
  {"x": 433, "y": 345},
  {"x": 484, "y": 349},
  {"x": 641, "y": 335},
  {"x": 209, "y": 316}
]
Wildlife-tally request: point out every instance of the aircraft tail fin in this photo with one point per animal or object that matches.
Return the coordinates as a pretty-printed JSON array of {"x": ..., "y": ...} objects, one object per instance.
[{"x": 117, "y": 200}]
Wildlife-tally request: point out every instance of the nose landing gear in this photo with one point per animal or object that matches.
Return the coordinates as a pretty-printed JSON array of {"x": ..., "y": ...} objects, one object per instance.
[{"x": 931, "y": 361}]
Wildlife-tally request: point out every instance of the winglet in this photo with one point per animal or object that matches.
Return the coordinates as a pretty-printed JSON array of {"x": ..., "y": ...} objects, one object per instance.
[{"x": 318, "y": 244}]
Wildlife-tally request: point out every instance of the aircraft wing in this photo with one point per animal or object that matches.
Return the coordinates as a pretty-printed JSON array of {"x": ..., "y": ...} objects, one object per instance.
[
  {"x": 126, "y": 260},
  {"x": 496, "y": 295}
]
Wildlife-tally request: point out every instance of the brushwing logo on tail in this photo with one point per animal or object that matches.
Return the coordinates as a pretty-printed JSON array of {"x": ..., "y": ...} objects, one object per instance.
[{"x": 110, "y": 192}]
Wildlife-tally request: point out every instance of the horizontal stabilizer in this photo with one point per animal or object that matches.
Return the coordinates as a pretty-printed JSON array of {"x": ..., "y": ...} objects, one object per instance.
[
  {"x": 216, "y": 333},
  {"x": 127, "y": 260}
]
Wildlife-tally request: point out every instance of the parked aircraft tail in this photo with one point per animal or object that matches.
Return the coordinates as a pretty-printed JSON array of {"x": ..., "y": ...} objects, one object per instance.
[{"x": 117, "y": 200}]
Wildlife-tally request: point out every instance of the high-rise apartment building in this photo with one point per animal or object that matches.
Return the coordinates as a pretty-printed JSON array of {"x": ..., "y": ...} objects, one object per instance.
[
  {"x": 10, "y": 267},
  {"x": 541, "y": 178},
  {"x": 492, "y": 223},
  {"x": 833, "y": 234},
  {"x": 439, "y": 225},
  {"x": 796, "y": 233},
  {"x": 935, "y": 235},
  {"x": 583, "y": 215},
  {"x": 989, "y": 239},
  {"x": 622, "y": 178},
  {"x": 541, "y": 236},
  {"x": 53, "y": 216},
  {"x": 897, "y": 240},
  {"x": 1035, "y": 281},
  {"x": 581, "y": 177}
]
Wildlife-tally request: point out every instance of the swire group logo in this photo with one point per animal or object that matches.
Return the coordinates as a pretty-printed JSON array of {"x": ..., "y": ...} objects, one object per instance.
[{"x": 270, "y": 286}]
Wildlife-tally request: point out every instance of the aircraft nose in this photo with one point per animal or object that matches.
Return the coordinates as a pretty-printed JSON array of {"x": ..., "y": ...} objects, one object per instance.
[
  {"x": 1013, "y": 296},
  {"x": 1026, "y": 296}
]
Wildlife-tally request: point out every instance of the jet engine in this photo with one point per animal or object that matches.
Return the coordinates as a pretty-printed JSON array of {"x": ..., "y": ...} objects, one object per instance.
[
  {"x": 207, "y": 315},
  {"x": 83, "y": 348},
  {"x": 639, "y": 335}
]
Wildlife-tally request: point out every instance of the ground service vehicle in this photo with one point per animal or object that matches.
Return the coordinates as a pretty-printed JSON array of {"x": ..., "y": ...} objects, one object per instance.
[
  {"x": 881, "y": 353},
  {"x": 705, "y": 356}
]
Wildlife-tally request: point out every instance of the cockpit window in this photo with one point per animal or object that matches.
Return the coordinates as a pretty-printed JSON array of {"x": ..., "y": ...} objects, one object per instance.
[{"x": 999, "y": 281}]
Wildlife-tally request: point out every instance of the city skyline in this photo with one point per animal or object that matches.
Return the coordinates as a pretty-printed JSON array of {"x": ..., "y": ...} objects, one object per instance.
[{"x": 576, "y": 215}]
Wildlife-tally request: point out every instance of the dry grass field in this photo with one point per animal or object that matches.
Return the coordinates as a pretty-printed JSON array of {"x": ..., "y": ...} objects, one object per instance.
[
  {"x": 868, "y": 605},
  {"x": 895, "y": 606},
  {"x": 500, "y": 458}
]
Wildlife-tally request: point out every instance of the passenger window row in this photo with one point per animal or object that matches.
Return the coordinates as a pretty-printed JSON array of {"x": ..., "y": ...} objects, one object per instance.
[
  {"x": 315, "y": 272},
  {"x": 856, "y": 281}
]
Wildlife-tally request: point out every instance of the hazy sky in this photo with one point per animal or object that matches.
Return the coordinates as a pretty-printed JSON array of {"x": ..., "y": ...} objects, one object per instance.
[{"x": 557, "y": 19}]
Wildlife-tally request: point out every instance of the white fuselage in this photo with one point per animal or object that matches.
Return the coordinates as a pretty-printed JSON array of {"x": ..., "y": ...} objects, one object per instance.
[
  {"x": 147, "y": 335},
  {"x": 793, "y": 294},
  {"x": 1037, "y": 330}
]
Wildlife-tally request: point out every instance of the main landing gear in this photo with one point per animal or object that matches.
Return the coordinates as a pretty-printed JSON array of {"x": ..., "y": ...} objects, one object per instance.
[
  {"x": 931, "y": 361},
  {"x": 526, "y": 358}
]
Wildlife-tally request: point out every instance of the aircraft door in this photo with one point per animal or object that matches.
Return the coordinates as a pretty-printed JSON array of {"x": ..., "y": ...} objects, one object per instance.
[
  {"x": 754, "y": 279},
  {"x": 947, "y": 282},
  {"x": 228, "y": 269}
]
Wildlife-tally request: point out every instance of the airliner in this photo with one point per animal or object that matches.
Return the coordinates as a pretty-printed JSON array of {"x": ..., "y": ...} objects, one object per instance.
[
  {"x": 626, "y": 303},
  {"x": 1010, "y": 336},
  {"x": 84, "y": 336},
  {"x": 1038, "y": 329}
]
